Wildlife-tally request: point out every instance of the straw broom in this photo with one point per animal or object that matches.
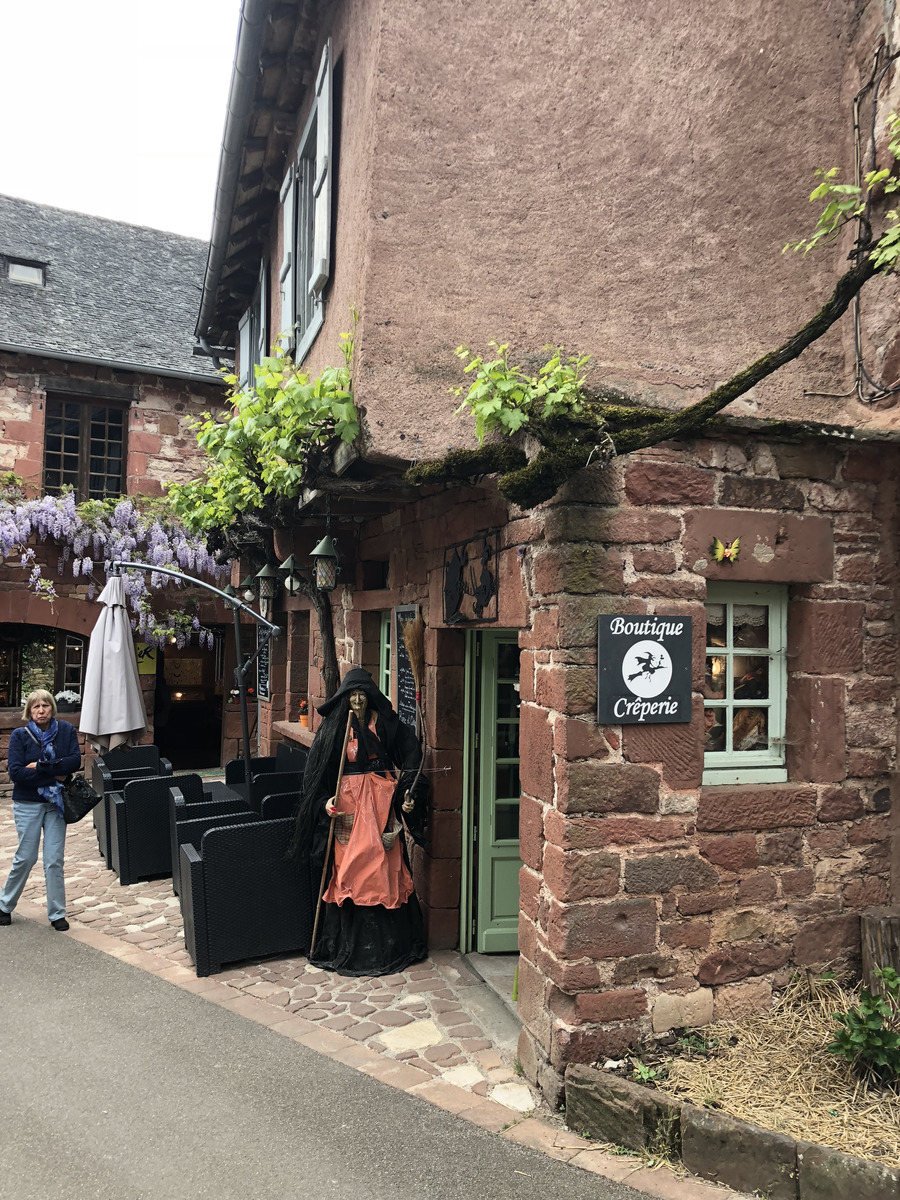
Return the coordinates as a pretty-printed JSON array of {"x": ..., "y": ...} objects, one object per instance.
[{"x": 414, "y": 641}]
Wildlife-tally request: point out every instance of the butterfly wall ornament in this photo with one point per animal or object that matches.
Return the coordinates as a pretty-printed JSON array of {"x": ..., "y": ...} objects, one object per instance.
[{"x": 725, "y": 553}]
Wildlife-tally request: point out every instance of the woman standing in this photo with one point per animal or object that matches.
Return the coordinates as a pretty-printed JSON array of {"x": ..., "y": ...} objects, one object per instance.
[
  {"x": 41, "y": 756},
  {"x": 371, "y": 922}
]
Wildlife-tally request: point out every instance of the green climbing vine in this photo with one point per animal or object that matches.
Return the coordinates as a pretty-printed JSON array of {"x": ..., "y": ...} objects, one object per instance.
[
  {"x": 504, "y": 397},
  {"x": 267, "y": 449}
]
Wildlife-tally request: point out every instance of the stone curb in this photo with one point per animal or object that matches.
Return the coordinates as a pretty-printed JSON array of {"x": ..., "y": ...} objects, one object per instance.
[
  {"x": 719, "y": 1147},
  {"x": 532, "y": 1131}
]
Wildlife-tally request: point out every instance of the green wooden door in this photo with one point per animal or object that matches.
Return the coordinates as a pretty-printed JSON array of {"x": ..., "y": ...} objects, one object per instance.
[{"x": 496, "y": 847}]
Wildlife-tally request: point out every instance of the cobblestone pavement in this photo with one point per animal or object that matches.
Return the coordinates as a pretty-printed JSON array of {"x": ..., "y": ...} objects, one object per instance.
[{"x": 412, "y": 1030}]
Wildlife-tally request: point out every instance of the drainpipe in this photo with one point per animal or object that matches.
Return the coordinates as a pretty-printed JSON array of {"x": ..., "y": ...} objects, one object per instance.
[{"x": 244, "y": 77}]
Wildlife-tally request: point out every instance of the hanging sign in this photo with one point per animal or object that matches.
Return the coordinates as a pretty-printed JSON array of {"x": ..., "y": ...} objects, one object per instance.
[
  {"x": 644, "y": 673},
  {"x": 406, "y": 684},
  {"x": 262, "y": 664},
  {"x": 146, "y": 658}
]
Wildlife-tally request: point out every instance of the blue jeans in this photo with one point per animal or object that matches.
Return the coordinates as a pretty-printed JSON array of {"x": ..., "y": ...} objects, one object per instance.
[{"x": 30, "y": 819}]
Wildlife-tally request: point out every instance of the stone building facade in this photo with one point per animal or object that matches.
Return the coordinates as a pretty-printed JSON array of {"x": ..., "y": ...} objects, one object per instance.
[
  {"x": 649, "y": 876},
  {"x": 95, "y": 347}
]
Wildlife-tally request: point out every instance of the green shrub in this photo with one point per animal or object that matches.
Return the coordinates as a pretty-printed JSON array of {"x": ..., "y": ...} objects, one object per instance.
[{"x": 870, "y": 1037}]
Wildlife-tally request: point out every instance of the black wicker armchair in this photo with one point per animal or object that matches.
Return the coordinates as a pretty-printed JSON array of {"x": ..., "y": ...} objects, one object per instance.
[
  {"x": 272, "y": 783},
  {"x": 111, "y": 772},
  {"x": 139, "y": 841},
  {"x": 286, "y": 758},
  {"x": 242, "y": 897},
  {"x": 183, "y": 817}
]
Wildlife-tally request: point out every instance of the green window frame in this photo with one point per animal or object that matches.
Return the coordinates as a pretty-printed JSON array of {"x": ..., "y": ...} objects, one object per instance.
[
  {"x": 384, "y": 653},
  {"x": 745, "y": 683}
]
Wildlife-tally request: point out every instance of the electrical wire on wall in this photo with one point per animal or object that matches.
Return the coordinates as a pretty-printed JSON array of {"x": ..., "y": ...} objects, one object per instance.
[
  {"x": 880, "y": 67},
  {"x": 877, "y": 78}
]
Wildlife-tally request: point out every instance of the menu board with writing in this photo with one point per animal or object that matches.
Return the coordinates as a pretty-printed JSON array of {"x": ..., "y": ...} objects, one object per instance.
[
  {"x": 406, "y": 685},
  {"x": 262, "y": 663}
]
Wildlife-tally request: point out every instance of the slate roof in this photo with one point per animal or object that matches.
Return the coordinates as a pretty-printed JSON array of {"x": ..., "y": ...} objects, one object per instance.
[{"x": 116, "y": 292}]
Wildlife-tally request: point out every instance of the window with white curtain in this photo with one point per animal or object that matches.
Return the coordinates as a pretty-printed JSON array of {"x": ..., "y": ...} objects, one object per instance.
[{"x": 745, "y": 683}]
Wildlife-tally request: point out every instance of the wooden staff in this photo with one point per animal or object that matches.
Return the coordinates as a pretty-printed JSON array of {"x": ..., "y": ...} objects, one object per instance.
[{"x": 337, "y": 789}]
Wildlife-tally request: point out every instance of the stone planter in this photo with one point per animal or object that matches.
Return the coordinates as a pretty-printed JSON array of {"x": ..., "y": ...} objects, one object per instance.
[{"x": 718, "y": 1147}]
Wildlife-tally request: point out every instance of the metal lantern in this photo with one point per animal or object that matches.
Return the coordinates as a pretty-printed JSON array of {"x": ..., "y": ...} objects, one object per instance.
[
  {"x": 291, "y": 583},
  {"x": 248, "y": 588},
  {"x": 267, "y": 582},
  {"x": 326, "y": 560}
]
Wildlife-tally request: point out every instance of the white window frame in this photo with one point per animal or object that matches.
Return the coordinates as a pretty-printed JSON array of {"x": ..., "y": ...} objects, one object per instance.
[
  {"x": 32, "y": 274},
  {"x": 306, "y": 222},
  {"x": 384, "y": 653},
  {"x": 751, "y": 766}
]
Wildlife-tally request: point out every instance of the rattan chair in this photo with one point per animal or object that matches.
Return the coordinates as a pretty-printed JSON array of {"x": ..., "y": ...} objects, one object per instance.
[
  {"x": 286, "y": 758},
  {"x": 242, "y": 898},
  {"x": 182, "y": 814},
  {"x": 269, "y": 784},
  {"x": 111, "y": 772},
  {"x": 139, "y": 843},
  {"x": 279, "y": 804}
]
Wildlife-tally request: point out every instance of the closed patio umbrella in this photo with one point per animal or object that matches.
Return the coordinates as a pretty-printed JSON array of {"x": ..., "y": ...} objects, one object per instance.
[{"x": 112, "y": 706}]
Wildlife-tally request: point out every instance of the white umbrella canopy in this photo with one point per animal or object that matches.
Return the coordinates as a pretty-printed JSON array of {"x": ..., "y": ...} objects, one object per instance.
[{"x": 112, "y": 705}]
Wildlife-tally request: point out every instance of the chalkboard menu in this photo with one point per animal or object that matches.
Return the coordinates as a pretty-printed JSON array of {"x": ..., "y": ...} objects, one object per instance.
[
  {"x": 262, "y": 663},
  {"x": 406, "y": 685}
]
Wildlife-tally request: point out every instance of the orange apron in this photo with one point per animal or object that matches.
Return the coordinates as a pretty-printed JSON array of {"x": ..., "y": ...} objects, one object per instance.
[{"x": 364, "y": 871}]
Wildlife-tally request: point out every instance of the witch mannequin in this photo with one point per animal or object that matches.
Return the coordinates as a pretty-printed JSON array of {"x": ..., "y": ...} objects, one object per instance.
[{"x": 361, "y": 786}]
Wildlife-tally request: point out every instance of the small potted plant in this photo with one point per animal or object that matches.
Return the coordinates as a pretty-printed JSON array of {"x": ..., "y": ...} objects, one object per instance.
[
  {"x": 68, "y": 701},
  {"x": 303, "y": 714}
]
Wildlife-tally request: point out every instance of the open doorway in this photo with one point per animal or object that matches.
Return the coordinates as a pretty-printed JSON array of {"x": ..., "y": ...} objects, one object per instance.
[
  {"x": 491, "y": 807},
  {"x": 188, "y": 705}
]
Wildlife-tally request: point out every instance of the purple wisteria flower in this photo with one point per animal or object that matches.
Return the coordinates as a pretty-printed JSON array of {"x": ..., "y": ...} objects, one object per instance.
[{"x": 118, "y": 531}]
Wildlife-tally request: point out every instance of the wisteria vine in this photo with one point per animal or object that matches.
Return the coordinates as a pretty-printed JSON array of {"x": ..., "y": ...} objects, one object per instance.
[{"x": 93, "y": 534}]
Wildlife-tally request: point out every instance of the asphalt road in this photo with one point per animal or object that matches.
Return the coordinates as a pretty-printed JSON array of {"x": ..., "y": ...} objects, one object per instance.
[{"x": 114, "y": 1085}]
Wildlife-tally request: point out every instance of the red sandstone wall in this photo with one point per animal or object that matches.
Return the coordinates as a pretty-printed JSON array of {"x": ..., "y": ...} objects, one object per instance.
[
  {"x": 161, "y": 446},
  {"x": 648, "y": 901},
  {"x": 616, "y": 179},
  {"x": 620, "y": 179}
]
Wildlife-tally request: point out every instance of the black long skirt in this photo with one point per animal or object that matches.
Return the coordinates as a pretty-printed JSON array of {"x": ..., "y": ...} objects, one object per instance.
[{"x": 357, "y": 940}]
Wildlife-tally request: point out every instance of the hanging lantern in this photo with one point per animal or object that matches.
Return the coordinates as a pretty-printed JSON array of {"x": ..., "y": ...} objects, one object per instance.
[
  {"x": 248, "y": 588},
  {"x": 326, "y": 560},
  {"x": 267, "y": 582},
  {"x": 291, "y": 583}
]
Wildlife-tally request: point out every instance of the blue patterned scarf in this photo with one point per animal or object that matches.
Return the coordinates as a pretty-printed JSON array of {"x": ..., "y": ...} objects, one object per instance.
[{"x": 51, "y": 792}]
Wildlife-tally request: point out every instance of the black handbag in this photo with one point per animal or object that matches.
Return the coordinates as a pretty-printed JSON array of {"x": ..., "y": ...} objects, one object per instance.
[
  {"x": 78, "y": 799},
  {"x": 78, "y": 796}
]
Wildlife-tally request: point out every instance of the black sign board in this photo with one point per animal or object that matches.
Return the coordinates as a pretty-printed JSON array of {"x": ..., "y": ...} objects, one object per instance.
[
  {"x": 644, "y": 670},
  {"x": 406, "y": 685},
  {"x": 262, "y": 663}
]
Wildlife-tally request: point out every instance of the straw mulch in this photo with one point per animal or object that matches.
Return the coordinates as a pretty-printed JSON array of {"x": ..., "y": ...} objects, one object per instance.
[{"x": 779, "y": 1075}]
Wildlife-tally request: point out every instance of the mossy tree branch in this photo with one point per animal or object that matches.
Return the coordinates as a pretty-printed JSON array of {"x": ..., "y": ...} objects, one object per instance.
[
  {"x": 603, "y": 429},
  {"x": 696, "y": 415}
]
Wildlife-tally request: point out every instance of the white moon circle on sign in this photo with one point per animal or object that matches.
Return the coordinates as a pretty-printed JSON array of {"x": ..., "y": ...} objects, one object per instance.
[{"x": 647, "y": 669}]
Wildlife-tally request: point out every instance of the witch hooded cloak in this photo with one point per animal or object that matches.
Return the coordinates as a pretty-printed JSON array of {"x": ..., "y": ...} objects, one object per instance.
[{"x": 354, "y": 939}]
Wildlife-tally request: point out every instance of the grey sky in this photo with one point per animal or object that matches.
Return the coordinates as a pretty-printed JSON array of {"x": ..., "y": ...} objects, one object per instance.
[{"x": 116, "y": 107}]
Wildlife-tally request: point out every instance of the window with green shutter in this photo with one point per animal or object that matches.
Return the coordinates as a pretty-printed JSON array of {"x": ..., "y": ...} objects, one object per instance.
[{"x": 746, "y": 683}]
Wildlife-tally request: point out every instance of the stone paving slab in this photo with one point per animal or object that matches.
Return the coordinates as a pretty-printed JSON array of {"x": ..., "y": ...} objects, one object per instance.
[{"x": 410, "y": 1030}]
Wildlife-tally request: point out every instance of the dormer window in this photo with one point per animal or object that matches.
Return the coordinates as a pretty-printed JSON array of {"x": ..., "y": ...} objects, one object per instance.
[{"x": 25, "y": 272}]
